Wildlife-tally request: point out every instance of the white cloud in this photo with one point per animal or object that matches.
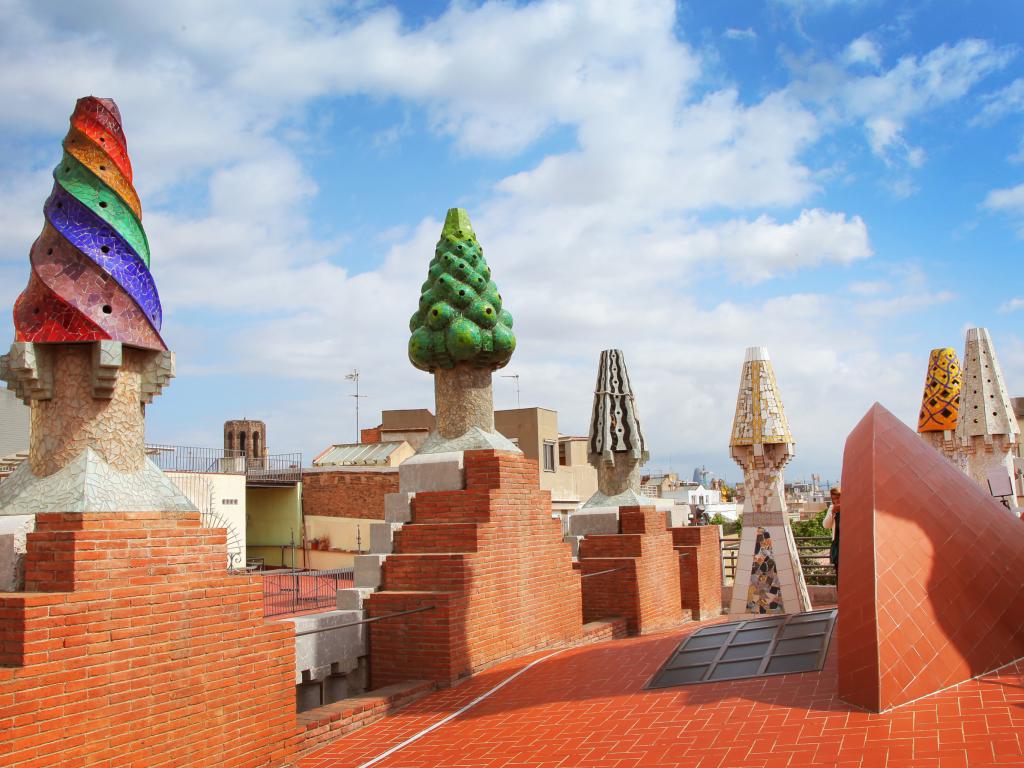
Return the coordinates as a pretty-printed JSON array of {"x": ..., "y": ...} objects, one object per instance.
[
  {"x": 868, "y": 287},
  {"x": 887, "y": 102},
  {"x": 1013, "y": 305},
  {"x": 1005, "y": 101},
  {"x": 753, "y": 251},
  {"x": 617, "y": 241},
  {"x": 863, "y": 50},
  {"x": 733, "y": 33},
  {"x": 905, "y": 304},
  {"x": 1009, "y": 201}
]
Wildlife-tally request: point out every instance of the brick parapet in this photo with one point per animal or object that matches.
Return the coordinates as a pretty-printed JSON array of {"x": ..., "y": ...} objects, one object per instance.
[
  {"x": 143, "y": 659},
  {"x": 504, "y": 587},
  {"x": 643, "y": 585},
  {"x": 700, "y": 569}
]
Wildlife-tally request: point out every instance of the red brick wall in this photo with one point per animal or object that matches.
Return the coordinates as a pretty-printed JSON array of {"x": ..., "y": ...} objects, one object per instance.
[
  {"x": 347, "y": 493},
  {"x": 134, "y": 646},
  {"x": 507, "y": 578},
  {"x": 370, "y": 435},
  {"x": 700, "y": 571},
  {"x": 645, "y": 589}
]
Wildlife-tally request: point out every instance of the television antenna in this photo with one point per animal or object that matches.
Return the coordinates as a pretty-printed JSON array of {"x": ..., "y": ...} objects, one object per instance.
[
  {"x": 354, "y": 376},
  {"x": 515, "y": 377}
]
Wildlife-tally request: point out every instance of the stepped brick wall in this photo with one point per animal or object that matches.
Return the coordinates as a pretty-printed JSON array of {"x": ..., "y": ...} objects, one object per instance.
[
  {"x": 491, "y": 561},
  {"x": 931, "y": 591},
  {"x": 645, "y": 588},
  {"x": 700, "y": 569},
  {"x": 348, "y": 493},
  {"x": 134, "y": 646}
]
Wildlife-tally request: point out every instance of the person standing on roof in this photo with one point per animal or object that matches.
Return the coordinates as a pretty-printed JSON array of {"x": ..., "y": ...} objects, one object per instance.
[{"x": 831, "y": 523}]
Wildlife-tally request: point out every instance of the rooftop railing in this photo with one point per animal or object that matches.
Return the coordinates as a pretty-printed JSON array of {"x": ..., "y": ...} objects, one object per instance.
[
  {"x": 276, "y": 469},
  {"x": 279, "y": 468},
  {"x": 813, "y": 552}
]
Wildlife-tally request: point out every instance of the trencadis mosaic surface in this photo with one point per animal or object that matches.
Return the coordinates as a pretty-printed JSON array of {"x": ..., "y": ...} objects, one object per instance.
[{"x": 90, "y": 265}]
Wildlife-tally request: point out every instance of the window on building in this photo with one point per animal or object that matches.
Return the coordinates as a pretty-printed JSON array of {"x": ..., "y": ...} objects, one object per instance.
[
  {"x": 563, "y": 454},
  {"x": 549, "y": 457}
]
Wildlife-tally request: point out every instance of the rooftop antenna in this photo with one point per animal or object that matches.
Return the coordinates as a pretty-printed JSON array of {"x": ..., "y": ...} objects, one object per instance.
[
  {"x": 515, "y": 377},
  {"x": 354, "y": 376}
]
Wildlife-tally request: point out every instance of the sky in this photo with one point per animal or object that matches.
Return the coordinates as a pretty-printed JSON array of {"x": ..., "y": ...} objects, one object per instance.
[{"x": 841, "y": 181}]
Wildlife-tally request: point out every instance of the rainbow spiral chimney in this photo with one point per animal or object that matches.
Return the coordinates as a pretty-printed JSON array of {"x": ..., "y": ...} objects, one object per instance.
[{"x": 90, "y": 265}]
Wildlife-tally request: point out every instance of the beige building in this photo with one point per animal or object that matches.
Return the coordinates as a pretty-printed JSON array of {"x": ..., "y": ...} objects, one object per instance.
[
  {"x": 561, "y": 459},
  {"x": 412, "y": 425}
]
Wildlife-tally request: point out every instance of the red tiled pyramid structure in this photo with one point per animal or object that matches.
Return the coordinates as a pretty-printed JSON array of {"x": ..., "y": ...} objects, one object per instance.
[
  {"x": 931, "y": 591},
  {"x": 491, "y": 561}
]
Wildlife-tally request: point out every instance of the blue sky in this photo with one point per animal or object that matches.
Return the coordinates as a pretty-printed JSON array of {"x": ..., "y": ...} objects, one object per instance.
[{"x": 840, "y": 180}]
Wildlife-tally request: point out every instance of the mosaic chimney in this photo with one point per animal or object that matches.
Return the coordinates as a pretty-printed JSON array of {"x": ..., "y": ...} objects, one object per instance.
[{"x": 769, "y": 578}]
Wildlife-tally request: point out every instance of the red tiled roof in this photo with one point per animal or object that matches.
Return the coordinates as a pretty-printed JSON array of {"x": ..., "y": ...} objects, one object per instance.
[{"x": 587, "y": 707}]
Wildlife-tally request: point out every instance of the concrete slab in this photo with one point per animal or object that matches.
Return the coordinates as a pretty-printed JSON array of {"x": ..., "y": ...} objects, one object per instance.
[
  {"x": 368, "y": 570},
  {"x": 432, "y": 472},
  {"x": 382, "y": 537},
  {"x": 351, "y": 599},
  {"x": 398, "y": 506},
  {"x": 599, "y": 520},
  {"x": 322, "y": 652}
]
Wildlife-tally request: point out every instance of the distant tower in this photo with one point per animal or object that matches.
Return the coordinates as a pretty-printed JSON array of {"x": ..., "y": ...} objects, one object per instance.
[
  {"x": 986, "y": 432},
  {"x": 940, "y": 403},
  {"x": 769, "y": 578},
  {"x": 246, "y": 437}
]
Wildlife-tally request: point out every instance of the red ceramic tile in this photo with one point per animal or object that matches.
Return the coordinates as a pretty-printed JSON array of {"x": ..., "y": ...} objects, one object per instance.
[{"x": 587, "y": 707}]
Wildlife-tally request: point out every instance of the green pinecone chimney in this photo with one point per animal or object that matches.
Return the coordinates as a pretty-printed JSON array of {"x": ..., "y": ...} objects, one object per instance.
[{"x": 460, "y": 318}]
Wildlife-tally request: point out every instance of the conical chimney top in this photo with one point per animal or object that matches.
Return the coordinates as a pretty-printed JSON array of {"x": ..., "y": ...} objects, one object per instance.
[
  {"x": 760, "y": 418},
  {"x": 940, "y": 403},
  {"x": 985, "y": 407}
]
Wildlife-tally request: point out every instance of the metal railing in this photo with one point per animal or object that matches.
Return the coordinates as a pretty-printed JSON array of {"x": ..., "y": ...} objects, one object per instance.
[
  {"x": 182, "y": 458},
  {"x": 813, "y": 552},
  {"x": 287, "y": 591},
  {"x": 276, "y": 469}
]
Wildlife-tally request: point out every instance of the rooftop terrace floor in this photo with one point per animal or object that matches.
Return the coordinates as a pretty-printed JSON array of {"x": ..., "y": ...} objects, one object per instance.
[{"x": 587, "y": 707}]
